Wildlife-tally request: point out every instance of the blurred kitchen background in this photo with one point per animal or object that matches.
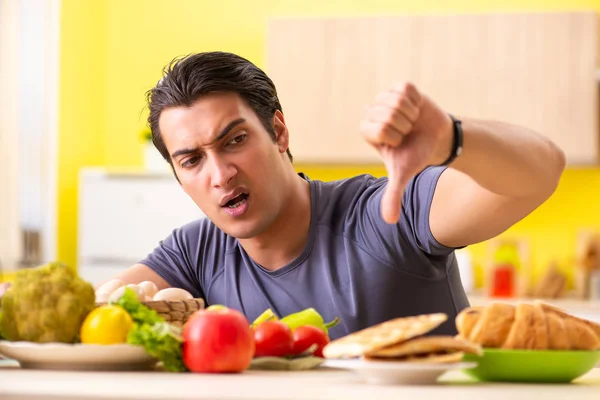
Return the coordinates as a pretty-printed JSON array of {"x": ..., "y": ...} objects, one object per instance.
[{"x": 80, "y": 183}]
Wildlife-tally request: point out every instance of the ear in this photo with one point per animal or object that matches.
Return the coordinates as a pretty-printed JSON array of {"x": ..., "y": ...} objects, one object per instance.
[{"x": 282, "y": 134}]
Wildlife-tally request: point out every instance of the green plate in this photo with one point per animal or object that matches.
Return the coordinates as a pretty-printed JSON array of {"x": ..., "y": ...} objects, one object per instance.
[{"x": 531, "y": 365}]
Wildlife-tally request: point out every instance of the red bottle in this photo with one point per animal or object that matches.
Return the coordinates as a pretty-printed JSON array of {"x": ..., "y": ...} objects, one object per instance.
[{"x": 503, "y": 277}]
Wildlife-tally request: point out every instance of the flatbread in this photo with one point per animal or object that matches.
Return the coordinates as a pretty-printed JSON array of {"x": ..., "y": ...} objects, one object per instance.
[
  {"x": 382, "y": 335},
  {"x": 433, "y": 358},
  {"x": 428, "y": 345},
  {"x": 450, "y": 358}
]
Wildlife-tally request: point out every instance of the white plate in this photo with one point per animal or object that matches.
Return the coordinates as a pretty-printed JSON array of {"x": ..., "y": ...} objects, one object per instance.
[
  {"x": 283, "y": 364},
  {"x": 397, "y": 373},
  {"x": 87, "y": 357}
]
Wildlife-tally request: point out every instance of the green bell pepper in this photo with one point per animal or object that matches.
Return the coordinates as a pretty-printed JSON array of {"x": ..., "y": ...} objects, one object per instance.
[{"x": 310, "y": 316}]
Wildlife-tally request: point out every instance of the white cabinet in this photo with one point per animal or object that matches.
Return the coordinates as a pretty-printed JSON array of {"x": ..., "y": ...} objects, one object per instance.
[{"x": 123, "y": 216}]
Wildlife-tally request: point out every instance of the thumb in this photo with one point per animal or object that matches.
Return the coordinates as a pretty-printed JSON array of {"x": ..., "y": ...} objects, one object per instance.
[{"x": 391, "y": 201}]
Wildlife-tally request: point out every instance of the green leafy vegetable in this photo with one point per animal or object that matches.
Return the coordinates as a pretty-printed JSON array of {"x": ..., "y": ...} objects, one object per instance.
[
  {"x": 138, "y": 311},
  {"x": 160, "y": 339}
]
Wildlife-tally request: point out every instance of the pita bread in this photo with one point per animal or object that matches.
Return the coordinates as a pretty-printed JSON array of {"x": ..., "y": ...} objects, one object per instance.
[
  {"x": 449, "y": 358},
  {"x": 427, "y": 345},
  {"x": 382, "y": 335}
]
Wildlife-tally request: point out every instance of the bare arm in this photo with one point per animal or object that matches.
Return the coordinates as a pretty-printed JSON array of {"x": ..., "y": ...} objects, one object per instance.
[
  {"x": 504, "y": 173},
  {"x": 139, "y": 273}
]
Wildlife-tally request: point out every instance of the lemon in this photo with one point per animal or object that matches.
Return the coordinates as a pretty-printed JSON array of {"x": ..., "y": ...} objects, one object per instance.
[{"x": 108, "y": 324}]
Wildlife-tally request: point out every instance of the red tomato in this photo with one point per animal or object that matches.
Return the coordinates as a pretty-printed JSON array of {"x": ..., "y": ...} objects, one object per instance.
[
  {"x": 307, "y": 335},
  {"x": 217, "y": 341},
  {"x": 273, "y": 338}
]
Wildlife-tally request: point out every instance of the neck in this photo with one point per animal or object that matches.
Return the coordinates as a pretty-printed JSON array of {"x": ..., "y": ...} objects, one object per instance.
[{"x": 286, "y": 238}]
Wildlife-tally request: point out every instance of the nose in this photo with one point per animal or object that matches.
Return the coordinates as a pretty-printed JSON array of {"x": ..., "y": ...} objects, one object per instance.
[{"x": 221, "y": 172}]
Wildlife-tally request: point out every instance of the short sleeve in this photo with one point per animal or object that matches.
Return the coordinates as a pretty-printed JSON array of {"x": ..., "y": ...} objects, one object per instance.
[
  {"x": 174, "y": 260},
  {"x": 409, "y": 243},
  {"x": 416, "y": 209}
]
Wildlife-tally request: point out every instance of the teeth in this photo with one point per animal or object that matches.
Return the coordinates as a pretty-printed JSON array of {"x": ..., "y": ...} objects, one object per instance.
[{"x": 239, "y": 203}]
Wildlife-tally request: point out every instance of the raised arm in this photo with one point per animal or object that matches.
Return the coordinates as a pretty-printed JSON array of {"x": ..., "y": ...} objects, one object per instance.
[{"x": 503, "y": 173}]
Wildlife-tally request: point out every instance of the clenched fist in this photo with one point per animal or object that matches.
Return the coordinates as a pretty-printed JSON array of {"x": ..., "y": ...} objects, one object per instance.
[{"x": 410, "y": 132}]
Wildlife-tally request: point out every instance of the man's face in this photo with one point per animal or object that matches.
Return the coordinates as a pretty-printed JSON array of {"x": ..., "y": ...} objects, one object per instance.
[{"x": 227, "y": 162}]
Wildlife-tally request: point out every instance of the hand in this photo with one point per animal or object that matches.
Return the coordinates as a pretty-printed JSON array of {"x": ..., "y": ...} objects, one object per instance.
[{"x": 410, "y": 132}]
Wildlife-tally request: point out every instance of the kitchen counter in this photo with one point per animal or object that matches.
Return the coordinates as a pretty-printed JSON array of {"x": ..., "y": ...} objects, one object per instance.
[{"x": 324, "y": 383}]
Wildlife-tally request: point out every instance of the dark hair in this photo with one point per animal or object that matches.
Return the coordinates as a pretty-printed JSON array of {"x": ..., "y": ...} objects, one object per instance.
[{"x": 187, "y": 79}]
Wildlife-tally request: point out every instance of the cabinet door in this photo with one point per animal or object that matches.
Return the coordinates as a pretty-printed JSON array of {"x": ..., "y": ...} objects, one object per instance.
[{"x": 536, "y": 70}]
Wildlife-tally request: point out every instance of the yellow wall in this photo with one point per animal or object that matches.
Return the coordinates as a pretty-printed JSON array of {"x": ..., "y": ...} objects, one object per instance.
[
  {"x": 112, "y": 51},
  {"x": 82, "y": 122}
]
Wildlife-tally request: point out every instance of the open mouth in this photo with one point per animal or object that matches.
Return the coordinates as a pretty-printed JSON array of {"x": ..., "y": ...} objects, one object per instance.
[{"x": 236, "y": 201}]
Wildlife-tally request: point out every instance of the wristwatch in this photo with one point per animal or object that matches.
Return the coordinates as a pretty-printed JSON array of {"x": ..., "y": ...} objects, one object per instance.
[{"x": 457, "y": 144}]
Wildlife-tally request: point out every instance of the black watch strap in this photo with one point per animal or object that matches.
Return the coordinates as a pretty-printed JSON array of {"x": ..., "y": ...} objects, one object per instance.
[{"x": 457, "y": 144}]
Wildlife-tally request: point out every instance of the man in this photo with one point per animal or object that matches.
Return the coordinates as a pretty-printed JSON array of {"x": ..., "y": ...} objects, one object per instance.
[{"x": 364, "y": 249}]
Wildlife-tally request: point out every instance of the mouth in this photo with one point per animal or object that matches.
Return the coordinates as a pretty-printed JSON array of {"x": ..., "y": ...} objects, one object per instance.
[
  {"x": 236, "y": 204},
  {"x": 236, "y": 201}
]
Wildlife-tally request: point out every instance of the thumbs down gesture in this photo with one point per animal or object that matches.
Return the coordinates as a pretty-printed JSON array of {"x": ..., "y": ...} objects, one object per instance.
[{"x": 410, "y": 132}]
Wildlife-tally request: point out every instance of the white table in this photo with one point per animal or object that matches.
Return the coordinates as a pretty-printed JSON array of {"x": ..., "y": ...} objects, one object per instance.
[{"x": 325, "y": 383}]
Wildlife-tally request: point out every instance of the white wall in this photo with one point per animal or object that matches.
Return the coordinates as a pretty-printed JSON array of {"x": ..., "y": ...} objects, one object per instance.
[
  {"x": 9, "y": 127},
  {"x": 29, "y": 53},
  {"x": 38, "y": 86}
]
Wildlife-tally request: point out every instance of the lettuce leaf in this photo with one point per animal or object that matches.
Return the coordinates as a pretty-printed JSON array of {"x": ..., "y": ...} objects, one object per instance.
[
  {"x": 140, "y": 313},
  {"x": 160, "y": 339}
]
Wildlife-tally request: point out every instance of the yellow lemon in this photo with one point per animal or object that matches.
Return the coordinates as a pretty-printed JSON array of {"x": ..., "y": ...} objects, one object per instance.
[{"x": 108, "y": 324}]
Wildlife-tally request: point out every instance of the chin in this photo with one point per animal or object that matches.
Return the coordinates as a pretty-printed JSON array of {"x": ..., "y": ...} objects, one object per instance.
[
  {"x": 241, "y": 233},
  {"x": 241, "y": 230}
]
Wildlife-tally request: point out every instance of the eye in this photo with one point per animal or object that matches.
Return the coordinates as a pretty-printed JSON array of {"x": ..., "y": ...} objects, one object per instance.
[
  {"x": 190, "y": 162},
  {"x": 238, "y": 139}
]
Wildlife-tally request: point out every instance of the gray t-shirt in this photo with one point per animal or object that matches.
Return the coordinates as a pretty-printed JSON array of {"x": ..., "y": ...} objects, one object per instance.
[{"x": 355, "y": 266}]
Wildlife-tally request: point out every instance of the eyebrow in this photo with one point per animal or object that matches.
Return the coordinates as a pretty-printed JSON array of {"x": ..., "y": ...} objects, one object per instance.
[{"x": 220, "y": 136}]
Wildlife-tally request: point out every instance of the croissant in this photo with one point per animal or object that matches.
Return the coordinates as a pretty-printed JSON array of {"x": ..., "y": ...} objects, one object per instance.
[{"x": 537, "y": 326}]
